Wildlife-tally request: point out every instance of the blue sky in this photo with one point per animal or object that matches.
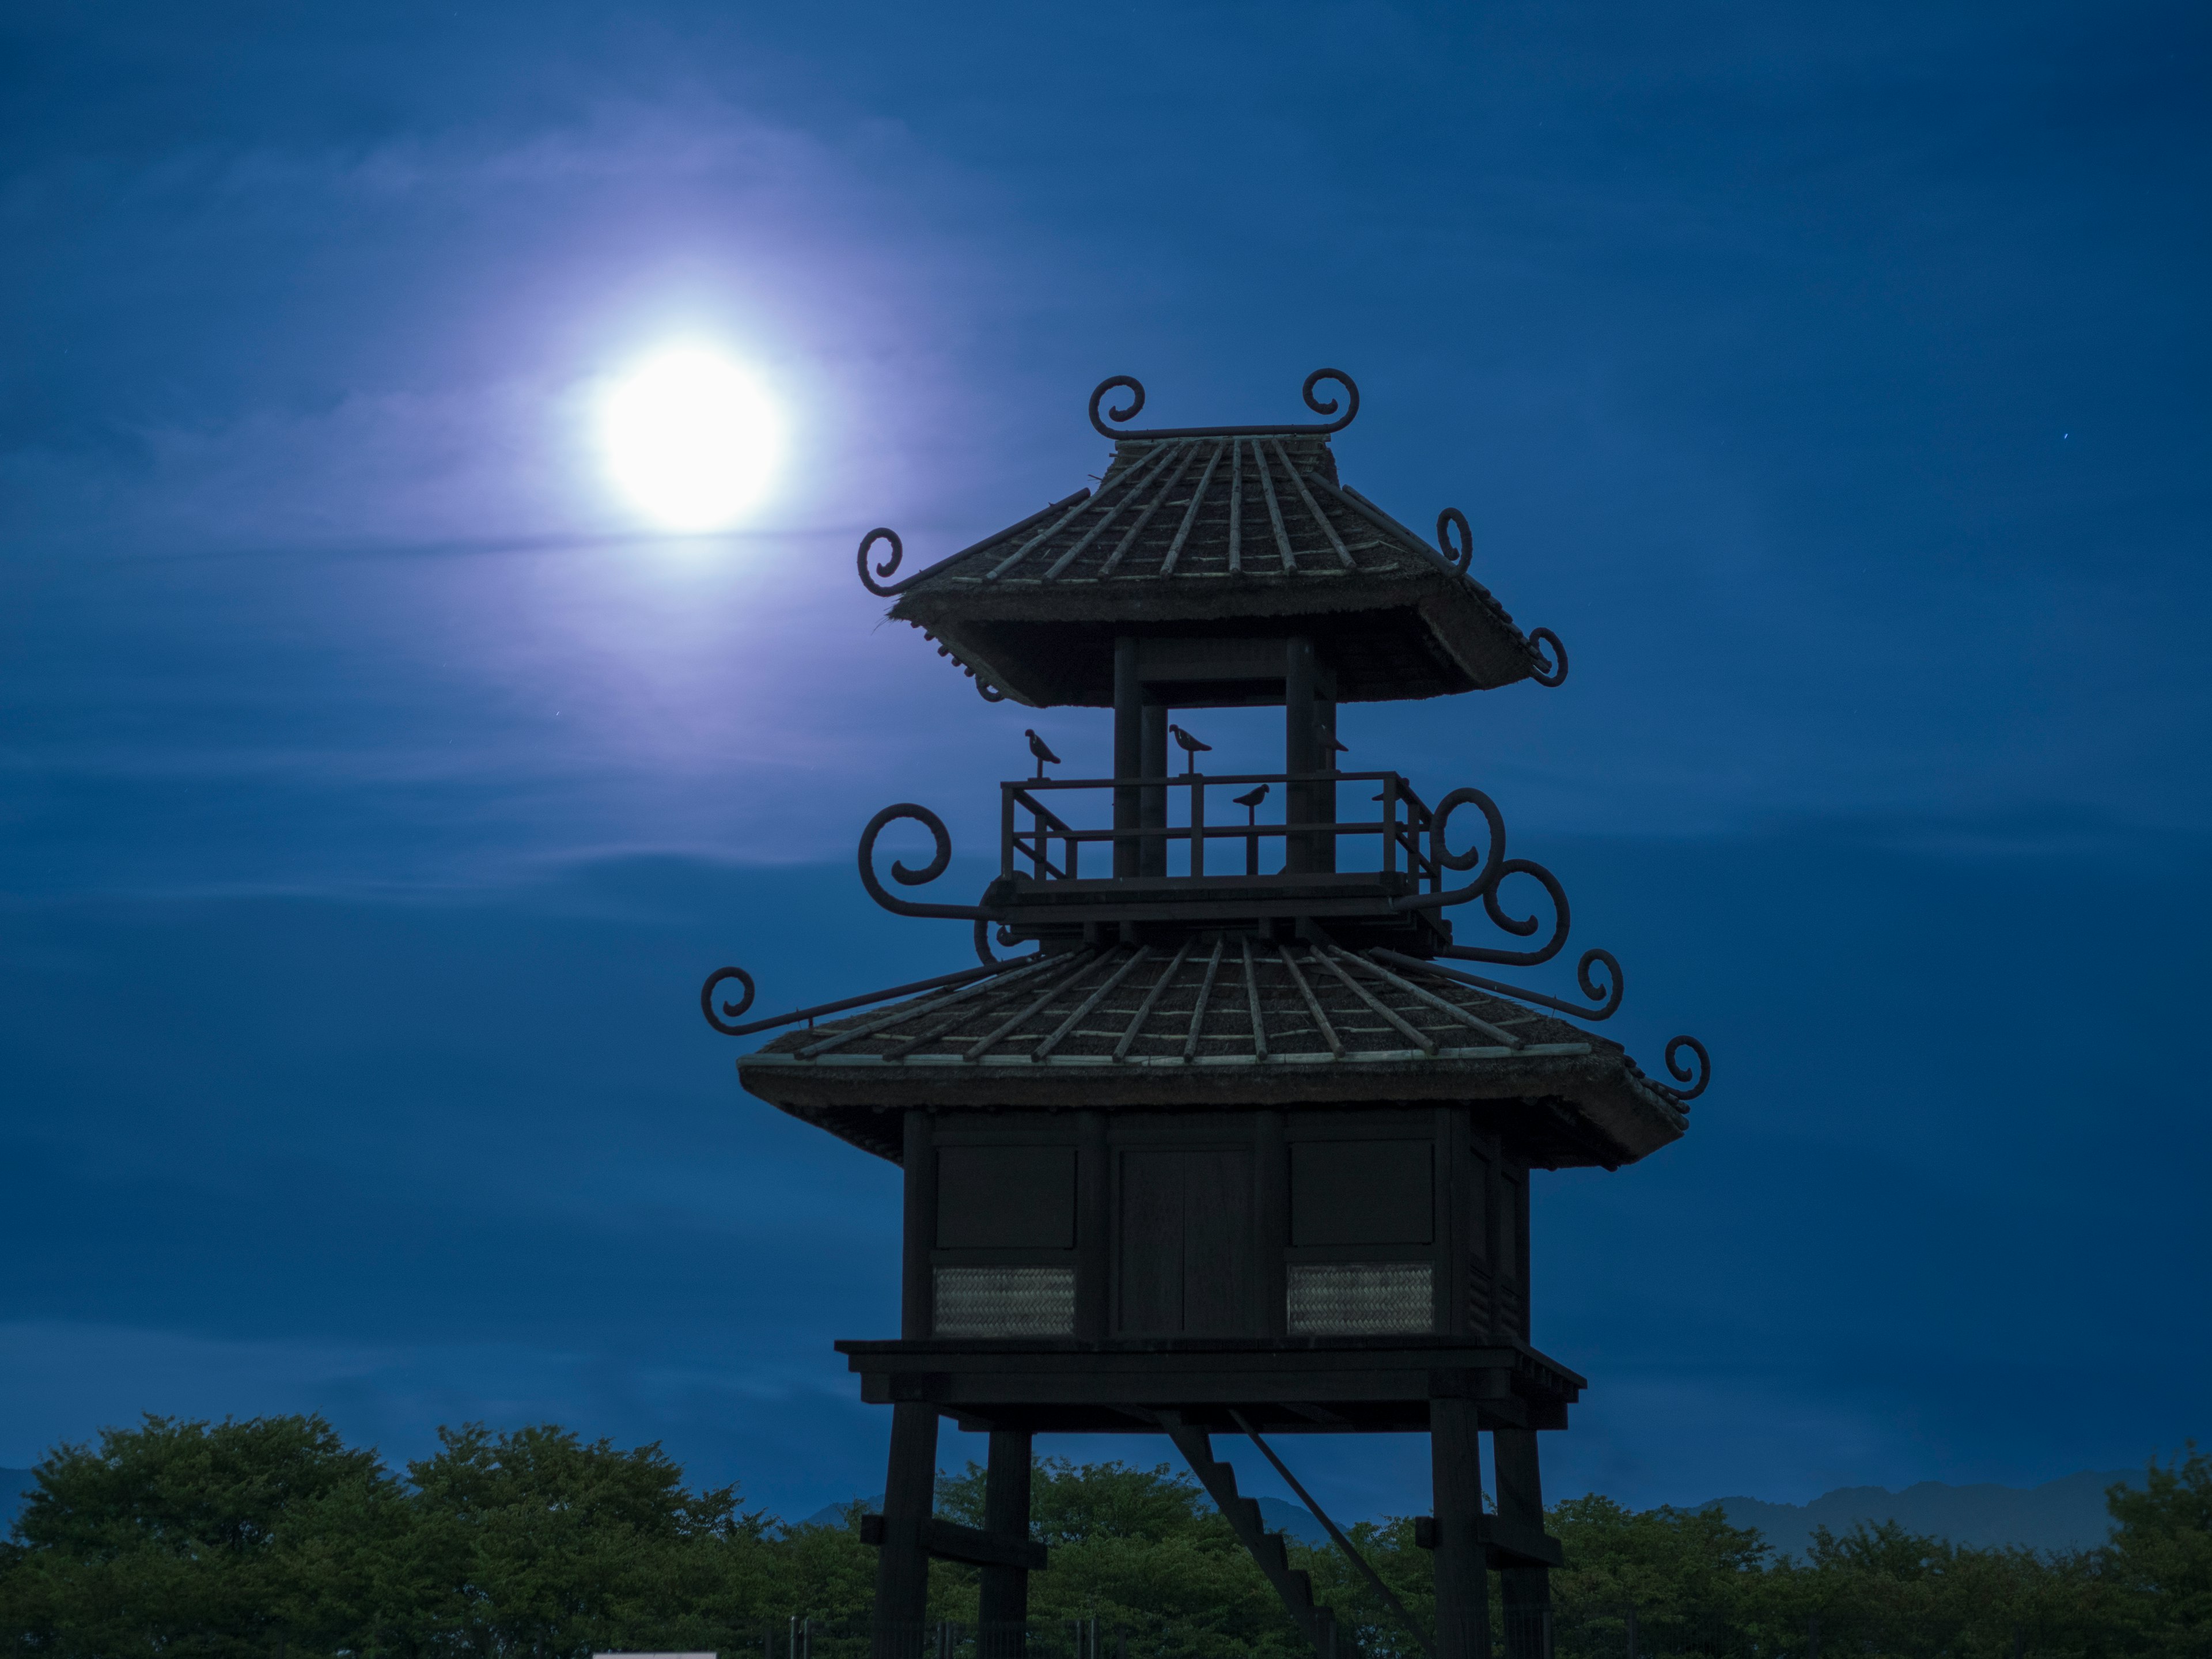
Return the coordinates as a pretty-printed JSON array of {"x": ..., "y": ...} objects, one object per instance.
[{"x": 375, "y": 789}]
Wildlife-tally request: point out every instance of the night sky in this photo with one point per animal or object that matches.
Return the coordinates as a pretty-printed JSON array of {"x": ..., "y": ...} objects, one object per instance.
[{"x": 376, "y": 786}]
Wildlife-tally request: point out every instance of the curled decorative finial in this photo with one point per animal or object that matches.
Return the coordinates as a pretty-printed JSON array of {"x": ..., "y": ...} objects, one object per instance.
[
  {"x": 1703, "y": 1072},
  {"x": 1464, "y": 552},
  {"x": 1136, "y": 402},
  {"x": 988, "y": 691},
  {"x": 888, "y": 568},
  {"x": 1553, "y": 671},
  {"x": 729, "y": 1010},
  {"x": 1352, "y": 397},
  {"x": 1606, "y": 992},
  {"x": 941, "y": 858}
]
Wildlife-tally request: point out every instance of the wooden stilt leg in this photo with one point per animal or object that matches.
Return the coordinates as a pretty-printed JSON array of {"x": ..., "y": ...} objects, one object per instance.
[
  {"x": 1003, "y": 1603},
  {"x": 1461, "y": 1560},
  {"x": 902, "y": 1565},
  {"x": 1528, "y": 1589}
]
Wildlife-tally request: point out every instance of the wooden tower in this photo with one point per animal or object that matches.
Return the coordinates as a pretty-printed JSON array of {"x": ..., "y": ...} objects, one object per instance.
[{"x": 1241, "y": 1145}]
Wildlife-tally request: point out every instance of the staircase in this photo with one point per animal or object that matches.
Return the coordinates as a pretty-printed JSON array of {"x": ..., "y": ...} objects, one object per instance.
[{"x": 1294, "y": 1585}]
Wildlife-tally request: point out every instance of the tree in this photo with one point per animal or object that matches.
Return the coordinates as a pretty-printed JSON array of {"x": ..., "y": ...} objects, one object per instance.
[
  {"x": 192, "y": 1540},
  {"x": 2159, "y": 1564}
]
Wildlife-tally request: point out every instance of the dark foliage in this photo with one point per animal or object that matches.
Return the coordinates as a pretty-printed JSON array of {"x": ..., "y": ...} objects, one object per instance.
[{"x": 193, "y": 1541}]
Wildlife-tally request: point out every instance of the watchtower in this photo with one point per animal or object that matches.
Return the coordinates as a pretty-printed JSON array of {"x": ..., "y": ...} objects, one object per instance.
[{"x": 1242, "y": 1144}]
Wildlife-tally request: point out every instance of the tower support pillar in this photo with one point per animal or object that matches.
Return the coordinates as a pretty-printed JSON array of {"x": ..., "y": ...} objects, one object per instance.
[
  {"x": 1462, "y": 1556},
  {"x": 1528, "y": 1589},
  {"x": 902, "y": 1563},
  {"x": 1003, "y": 1600}
]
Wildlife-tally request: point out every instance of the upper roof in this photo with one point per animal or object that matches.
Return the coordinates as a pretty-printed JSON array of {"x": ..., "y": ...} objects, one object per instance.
[
  {"x": 1229, "y": 533},
  {"x": 1221, "y": 1022}
]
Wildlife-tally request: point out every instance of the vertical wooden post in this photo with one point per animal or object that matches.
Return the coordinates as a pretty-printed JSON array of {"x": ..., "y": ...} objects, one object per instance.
[
  {"x": 1325, "y": 759},
  {"x": 1154, "y": 815},
  {"x": 1521, "y": 1502},
  {"x": 918, "y": 1156},
  {"x": 1461, "y": 1558},
  {"x": 1128, "y": 748},
  {"x": 902, "y": 1564},
  {"x": 1298, "y": 747},
  {"x": 1093, "y": 1193},
  {"x": 1271, "y": 1217},
  {"x": 1002, "y": 1605}
]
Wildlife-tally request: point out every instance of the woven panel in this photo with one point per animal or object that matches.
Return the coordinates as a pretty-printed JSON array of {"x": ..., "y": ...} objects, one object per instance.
[
  {"x": 1005, "y": 1301},
  {"x": 1361, "y": 1298}
]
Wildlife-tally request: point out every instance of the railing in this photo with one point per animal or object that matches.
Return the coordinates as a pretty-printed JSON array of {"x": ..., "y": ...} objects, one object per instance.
[{"x": 1149, "y": 836}]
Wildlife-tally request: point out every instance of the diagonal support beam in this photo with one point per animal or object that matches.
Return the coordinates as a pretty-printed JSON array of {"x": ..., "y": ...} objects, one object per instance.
[
  {"x": 1293, "y": 1584},
  {"x": 1389, "y": 1596}
]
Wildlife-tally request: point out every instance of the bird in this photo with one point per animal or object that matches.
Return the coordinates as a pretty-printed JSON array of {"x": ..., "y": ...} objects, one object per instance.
[
  {"x": 1325, "y": 740},
  {"x": 1042, "y": 750},
  {"x": 1251, "y": 800},
  {"x": 1192, "y": 748}
]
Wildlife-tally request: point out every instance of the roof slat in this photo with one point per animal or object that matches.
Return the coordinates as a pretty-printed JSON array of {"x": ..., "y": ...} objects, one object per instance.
[
  {"x": 1146, "y": 516},
  {"x": 1314, "y": 507},
  {"x": 1204, "y": 995},
  {"x": 1329, "y": 960},
  {"x": 1012, "y": 973},
  {"x": 990, "y": 1039},
  {"x": 1236, "y": 506},
  {"x": 1440, "y": 1004},
  {"x": 1313, "y": 1003},
  {"x": 1136, "y": 957},
  {"x": 1151, "y": 998},
  {"x": 1151, "y": 468},
  {"x": 1274, "y": 507},
  {"x": 1252, "y": 994},
  {"x": 1190, "y": 513},
  {"x": 1001, "y": 989}
]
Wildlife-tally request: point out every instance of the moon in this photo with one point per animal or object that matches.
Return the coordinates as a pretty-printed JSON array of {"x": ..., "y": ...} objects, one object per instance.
[{"x": 690, "y": 440}]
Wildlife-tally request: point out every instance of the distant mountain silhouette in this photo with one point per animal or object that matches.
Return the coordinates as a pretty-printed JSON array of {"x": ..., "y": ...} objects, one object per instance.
[
  {"x": 2065, "y": 1513},
  {"x": 1275, "y": 1513}
]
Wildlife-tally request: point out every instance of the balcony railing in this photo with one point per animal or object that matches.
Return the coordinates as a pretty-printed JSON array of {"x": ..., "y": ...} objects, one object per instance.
[{"x": 1191, "y": 826}]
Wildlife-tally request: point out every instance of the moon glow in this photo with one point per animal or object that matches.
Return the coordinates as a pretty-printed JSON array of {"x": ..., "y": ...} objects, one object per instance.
[{"x": 690, "y": 440}]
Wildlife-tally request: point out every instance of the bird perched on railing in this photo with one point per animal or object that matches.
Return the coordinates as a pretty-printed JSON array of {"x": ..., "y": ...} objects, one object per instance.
[
  {"x": 1042, "y": 750},
  {"x": 1192, "y": 748},
  {"x": 1249, "y": 800}
]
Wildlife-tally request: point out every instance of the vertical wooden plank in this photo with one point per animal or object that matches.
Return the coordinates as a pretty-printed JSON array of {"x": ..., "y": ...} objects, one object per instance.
[
  {"x": 1271, "y": 1232},
  {"x": 1129, "y": 748},
  {"x": 1154, "y": 859},
  {"x": 1299, "y": 678},
  {"x": 918, "y": 1154},
  {"x": 1220, "y": 1276},
  {"x": 1462, "y": 1567},
  {"x": 1003, "y": 1593},
  {"x": 1326, "y": 759},
  {"x": 1093, "y": 1190},
  {"x": 1149, "y": 1236},
  {"x": 1451, "y": 1174},
  {"x": 1527, "y": 1591},
  {"x": 902, "y": 1564}
]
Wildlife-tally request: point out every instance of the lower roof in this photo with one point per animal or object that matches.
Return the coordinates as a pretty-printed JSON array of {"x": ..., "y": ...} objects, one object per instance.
[{"x": 1223, "y": 1022}]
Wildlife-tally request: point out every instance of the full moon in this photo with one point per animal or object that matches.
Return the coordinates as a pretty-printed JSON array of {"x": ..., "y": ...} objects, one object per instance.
[{"x": 689, "y": 438}]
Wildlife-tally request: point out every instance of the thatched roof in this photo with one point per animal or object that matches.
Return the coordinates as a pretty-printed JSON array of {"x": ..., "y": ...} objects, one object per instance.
[
  {"x": 1212, "y": 538},
  {"x": 1222, "y": 1022}
]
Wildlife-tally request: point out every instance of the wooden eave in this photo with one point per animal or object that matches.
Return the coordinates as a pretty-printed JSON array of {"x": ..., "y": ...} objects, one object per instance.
[
  {"x": 1110, "y": 1030},
  {"x": 1157, "y": 548}
]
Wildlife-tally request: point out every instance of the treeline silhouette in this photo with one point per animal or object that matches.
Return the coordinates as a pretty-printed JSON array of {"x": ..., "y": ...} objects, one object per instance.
[{"x": 271, "y": 1537}]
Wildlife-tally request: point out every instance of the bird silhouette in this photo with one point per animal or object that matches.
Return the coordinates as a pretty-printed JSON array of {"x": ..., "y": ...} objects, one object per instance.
[
  {"x": 1325, "y": 740},
  {"x": 1042, "y": 750},
  {"x": 1192, "y": 748},
  {"x": 1251, "y": 799}
]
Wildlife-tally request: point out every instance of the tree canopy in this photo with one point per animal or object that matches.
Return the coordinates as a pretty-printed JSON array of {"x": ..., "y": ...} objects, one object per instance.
[{"x": 271, "y": 1537}]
